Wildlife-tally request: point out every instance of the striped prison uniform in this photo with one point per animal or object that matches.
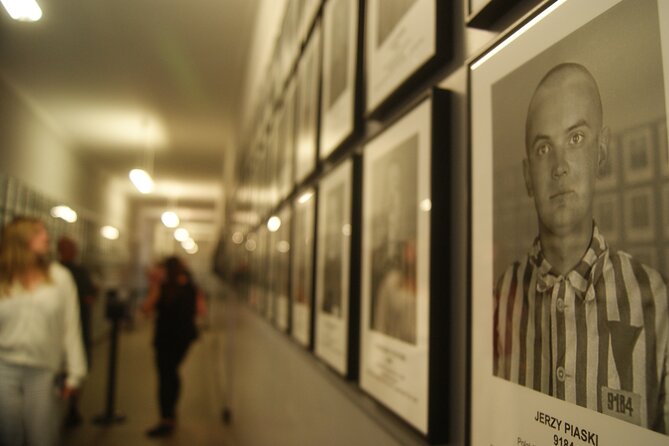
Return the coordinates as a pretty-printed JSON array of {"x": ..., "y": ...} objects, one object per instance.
[{"x": 596, "y": 337}]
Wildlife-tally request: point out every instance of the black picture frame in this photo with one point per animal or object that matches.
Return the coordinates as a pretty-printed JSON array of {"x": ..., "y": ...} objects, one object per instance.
[
  {"x": 308, "y": 107},
  {"x": 279, "y": 247},
  {"x": 413, "y": 356},
  {"x": 576, "y": 40},
  {"x": 337, "y": 292},
  {"x": 302, "y": 266},
  {"x": 406, "y": 42},
  {"x": 341, "y": 73}
]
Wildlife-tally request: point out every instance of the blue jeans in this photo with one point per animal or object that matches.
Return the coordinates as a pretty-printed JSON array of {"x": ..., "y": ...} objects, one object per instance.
[{"x": 29, "y": 407}]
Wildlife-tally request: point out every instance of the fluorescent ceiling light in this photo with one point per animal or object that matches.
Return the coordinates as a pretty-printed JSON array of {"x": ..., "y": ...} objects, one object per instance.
[
  {"x": 181, "y": 234},
  {"x": 64, "y": 212},
  {"x": 305, "y": 197},
  {"x": 274, "y": 223},
  {"x": 188, "y": 244},
  {"x": 109, "y": 232},
  {"x": 142, "y": 180},
  {"x": 170, "y": 219},
  {"x": 23, "y": 10}
]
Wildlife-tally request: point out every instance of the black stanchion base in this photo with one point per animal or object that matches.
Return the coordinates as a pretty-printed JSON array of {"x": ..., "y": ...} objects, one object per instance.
[{"x": 108, "y": 419}]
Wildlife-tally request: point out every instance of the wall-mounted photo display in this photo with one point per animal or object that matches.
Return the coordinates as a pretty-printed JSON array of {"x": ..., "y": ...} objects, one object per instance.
[
  {"x": 302, "y": 268},
  {"x": 405, "y": 267},
  {"x": 404, "y": 39},
  {"x": 279, "y": 270},
  {"x": 334, "y": 303},
  {"x": 340, "y": 49},
  {"x": 286, "y": 142},
  {"x": 570, "y": 330},
  {"x": 308, "y": 12},
  {"x": 485, "y": 13},
  {"x": 308, "y": 89}
]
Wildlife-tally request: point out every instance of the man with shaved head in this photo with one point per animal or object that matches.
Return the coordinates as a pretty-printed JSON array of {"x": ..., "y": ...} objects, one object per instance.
[{"x": 575, "y": 318}]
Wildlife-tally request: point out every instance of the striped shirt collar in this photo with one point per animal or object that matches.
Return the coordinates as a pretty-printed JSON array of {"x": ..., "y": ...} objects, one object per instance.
[{"x": 581, "y": 277}]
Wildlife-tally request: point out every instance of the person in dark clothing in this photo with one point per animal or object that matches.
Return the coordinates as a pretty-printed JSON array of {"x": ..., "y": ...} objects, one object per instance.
[
  {"x": 173, "y": 296},
  {"x": 86, "y": 292}
]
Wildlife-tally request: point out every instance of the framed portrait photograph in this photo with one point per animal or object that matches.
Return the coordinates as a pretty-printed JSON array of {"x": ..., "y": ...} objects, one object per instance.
[
  {"x": 404, "y": 39},
  {"x": 308, "y": 90},
  {"x": 403, "y": 303},
  {"x": 278, "y": 226},
  {"x": 569, "y": 328},
  {"x": 302, "y": 268},
  {"x": 638, "y": 152},
  {"x": 340, "y": 56},
  {"x": 336, "y": 295},
  {"x": 286, "y": 142},
  {"x": 485, "y": 13}
]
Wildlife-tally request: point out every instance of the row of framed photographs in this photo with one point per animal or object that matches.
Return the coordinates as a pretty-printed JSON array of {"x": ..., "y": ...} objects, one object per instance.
[
  {"x": 319, "y": 102},
  {"x": 365, "y": 292},
  {"x": 591, "y": 364}
]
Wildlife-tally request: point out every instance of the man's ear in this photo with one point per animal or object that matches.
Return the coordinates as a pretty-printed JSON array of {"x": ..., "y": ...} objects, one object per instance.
[
  {"x": 528, "y": 178},
  {"x": 603, "y": 149}
]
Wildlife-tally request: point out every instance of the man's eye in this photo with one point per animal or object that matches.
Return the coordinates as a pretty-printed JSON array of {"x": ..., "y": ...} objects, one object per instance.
[
  {"x": 543, "y": 149},
  {"x": 576, "y": 138}
]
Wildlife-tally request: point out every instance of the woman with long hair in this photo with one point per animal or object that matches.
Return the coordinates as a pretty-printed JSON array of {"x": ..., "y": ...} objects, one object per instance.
[
  {"x": 39, "y": 332},
  {"x": 174, "y": 297}
]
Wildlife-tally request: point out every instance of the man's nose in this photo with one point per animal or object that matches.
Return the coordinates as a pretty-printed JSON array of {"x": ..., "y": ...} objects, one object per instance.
[{"x": 560, "y": 165}]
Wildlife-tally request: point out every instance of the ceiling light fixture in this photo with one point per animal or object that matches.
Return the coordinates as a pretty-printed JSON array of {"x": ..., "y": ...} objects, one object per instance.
[
  {"x": 23, "y": 10},
  {"x": 274, "y": 223},
  {"x": 142, "y": 180},
  {"x": 170, "y": 219},
  {"x": 64, "y": 212},
  {"x": 305, "y": 197},
  {"x": 181, "y": 234},
  {"x": 109, "y": 232}
]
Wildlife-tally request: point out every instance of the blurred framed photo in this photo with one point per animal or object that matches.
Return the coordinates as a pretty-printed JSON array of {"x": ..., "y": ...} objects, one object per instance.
[
  {"x": 340, "y": 55},
  {"x": 404, "y": 39},
  {"x": 638, "y": 150},
  {"x": 302, "y": 265},
  {"x": 549, "y": 103},
  {"x": 403, "y": 300},
  {"x": 336, "y": 293},
  {"x": 308, "y": 95},
  {"x": 286, "y": 143},
  {"x": 279, "y": 268}
]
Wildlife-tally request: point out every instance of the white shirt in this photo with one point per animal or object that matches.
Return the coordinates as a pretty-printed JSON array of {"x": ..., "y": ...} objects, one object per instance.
[{"x": 41, "y": 327}]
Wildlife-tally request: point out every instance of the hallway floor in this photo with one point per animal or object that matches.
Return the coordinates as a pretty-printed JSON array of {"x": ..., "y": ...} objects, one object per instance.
[{"x": 199, "y": 407}]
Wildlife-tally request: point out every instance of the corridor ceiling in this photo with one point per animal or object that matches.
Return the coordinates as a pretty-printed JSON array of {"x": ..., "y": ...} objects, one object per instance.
[{"x": 124, "y": 79}]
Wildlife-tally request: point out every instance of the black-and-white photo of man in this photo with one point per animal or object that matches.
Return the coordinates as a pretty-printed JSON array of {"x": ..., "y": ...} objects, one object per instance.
[
  {"x": 576, "y": 318},
  {"x": 394, "y": 234}
]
